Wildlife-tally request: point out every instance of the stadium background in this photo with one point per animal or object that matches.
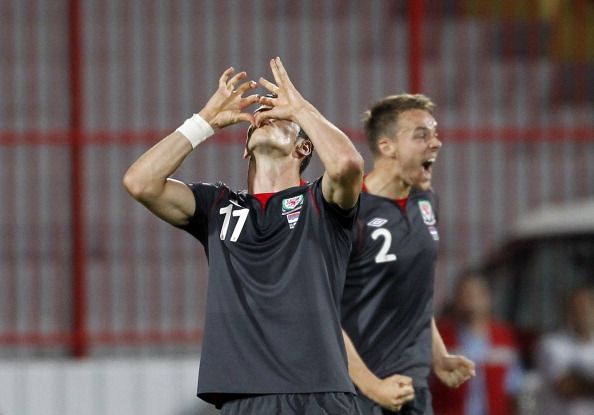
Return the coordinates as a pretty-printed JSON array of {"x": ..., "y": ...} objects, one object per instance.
[{"x": 87, "y": 275}]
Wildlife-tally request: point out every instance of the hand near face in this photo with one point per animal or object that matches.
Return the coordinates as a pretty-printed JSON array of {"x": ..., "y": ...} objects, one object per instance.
[
  {"x": 288, "y": 101},
  {"x": 226, "y": 105}
]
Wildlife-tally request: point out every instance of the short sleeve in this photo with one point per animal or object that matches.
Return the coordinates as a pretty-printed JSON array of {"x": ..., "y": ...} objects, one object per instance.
[
  {"x": 345, "y": 217},
  {"x": 205, "y": 195}
]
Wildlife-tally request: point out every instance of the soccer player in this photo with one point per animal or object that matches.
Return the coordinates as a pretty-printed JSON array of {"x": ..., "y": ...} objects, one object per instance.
[
  {"x": 387, "y": 312},
  {"x": 277, "y": 252}
]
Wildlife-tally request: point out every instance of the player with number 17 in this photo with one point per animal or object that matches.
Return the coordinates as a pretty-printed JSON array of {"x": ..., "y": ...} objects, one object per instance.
[{"x": 277, "y": 252}]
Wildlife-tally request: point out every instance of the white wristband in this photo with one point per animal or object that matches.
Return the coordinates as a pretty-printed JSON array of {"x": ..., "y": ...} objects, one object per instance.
[{"x": 196, "y": 130}]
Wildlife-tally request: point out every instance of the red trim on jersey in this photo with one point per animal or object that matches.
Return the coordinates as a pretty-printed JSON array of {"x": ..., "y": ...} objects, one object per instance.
[
  {"x": 313, "y": 199},
  {"x": 402, "y": 203},
  {"x": 263, "y": 198}
]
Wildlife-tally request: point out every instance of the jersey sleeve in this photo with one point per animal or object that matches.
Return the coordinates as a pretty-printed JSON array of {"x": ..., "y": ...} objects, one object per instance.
[
  {"x": 345, "y": 217},
  {"x": 205, "y": 195}
]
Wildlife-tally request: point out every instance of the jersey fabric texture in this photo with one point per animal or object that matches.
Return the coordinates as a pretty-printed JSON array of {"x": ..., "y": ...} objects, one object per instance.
[
  {"x": 387, "y": 305},
  {"x": 276, "y": 276}
]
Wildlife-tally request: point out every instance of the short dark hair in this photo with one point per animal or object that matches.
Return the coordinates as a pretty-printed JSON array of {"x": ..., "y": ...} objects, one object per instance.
[{"x": 382, "y": 118}]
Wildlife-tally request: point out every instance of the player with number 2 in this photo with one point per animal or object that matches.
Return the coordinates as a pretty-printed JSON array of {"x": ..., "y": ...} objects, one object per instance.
[{"x": 387, "y": 307}]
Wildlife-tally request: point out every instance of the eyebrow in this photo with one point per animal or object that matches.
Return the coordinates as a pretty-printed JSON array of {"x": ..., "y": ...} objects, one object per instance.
[{"x": 425, "y": 129}]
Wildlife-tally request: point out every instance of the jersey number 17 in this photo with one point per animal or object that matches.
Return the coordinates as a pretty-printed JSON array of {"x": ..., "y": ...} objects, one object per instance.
[{"x": 228, "y": 211}]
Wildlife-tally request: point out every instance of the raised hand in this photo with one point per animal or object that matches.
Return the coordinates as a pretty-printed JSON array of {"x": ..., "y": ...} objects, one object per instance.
[
  {"x": 226, "y": 105},
  {"x": 287, "y": 101},
  {"x": 454, "y": 370}
]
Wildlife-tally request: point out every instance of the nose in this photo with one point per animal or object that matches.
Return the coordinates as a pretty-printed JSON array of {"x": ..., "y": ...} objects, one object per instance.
[{"x": 435, "y": 142}]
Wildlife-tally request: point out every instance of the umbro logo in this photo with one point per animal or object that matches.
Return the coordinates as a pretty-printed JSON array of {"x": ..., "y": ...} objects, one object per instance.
[{"x": 377, "y": 222}]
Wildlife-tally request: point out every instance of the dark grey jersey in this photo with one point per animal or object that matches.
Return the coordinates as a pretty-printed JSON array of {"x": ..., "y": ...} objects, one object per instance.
[
  {"x": 276, "y": 276},
  {"x": 387, "y": 305}
]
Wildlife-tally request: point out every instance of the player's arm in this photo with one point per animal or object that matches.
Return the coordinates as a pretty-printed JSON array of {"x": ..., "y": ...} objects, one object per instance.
[
  {"x": 148, "y": 178},
  {"x": 452, "y": 370},
  {"x": 343, "y": 164},
  {"x": 391, "y": 392}
]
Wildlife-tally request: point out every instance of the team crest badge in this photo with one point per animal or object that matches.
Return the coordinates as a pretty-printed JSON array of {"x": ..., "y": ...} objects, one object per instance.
[
  {"x": 377, "y": 222},
  {"x": 292, "y": 203},
  {"x": 427, "y": 212},
  {"x": 291, "y": 209}
]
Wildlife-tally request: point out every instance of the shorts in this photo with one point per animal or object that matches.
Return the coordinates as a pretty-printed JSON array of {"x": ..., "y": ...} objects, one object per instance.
[
  {"x": 421, "y": 405},
  {"x": 324, "y": 403}
]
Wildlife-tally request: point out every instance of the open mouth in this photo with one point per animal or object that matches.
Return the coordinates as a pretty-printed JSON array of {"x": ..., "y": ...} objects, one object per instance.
[{"x": 428, "y": 164}]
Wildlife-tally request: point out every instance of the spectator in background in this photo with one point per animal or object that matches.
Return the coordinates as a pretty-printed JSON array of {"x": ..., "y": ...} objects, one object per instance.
[
  {"x": 470, "y": 330},
  {"x": 566, "y": 360}
]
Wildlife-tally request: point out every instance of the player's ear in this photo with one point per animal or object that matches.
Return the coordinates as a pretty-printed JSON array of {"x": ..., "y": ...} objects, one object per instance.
[
  {"x": 304, "y": 148},
  {"x": 386, "y": 146}
]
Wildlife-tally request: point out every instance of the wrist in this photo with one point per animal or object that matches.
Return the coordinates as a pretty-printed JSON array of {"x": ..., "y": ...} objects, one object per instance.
[
  {"x": 196, "y": 129},
  {"x": 439, "y": 360},
  {"x": 370, "y": 386},
  {"x": 303, "y": 111}
]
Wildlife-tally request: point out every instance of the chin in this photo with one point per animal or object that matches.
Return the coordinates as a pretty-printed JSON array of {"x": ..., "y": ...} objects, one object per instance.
[{"x": 423, "y": 186}]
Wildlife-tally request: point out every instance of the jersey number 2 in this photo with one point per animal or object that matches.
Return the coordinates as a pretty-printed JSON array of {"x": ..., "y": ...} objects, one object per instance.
[
  {"x": 227, "y": 210},
  {"x": 383, "y": 255}
]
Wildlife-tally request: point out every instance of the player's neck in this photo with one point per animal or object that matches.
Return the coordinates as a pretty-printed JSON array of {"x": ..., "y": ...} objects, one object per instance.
[
  {"x": 271, "y": 175},
  {"x": 384, "y": 181}
]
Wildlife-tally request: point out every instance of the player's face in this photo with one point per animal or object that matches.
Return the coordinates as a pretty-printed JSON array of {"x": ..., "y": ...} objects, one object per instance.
[
  {"x": 417, "y": 147},
  {"x": 274, "y": 135}
]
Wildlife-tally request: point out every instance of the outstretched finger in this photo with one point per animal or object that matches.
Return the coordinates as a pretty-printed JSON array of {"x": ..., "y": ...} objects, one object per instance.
[
  {"x": 262, "y": 116},
  {"x": 236, "y": 78},
  {"x": 268, "y": 101},
  {"x": 247, "y": 101},
  {"x": 280, "y": 73},
  {"x": 268, "y": 85},
  {"x": 241, "y": 89},
  {"x": 223, "y": 79}
]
